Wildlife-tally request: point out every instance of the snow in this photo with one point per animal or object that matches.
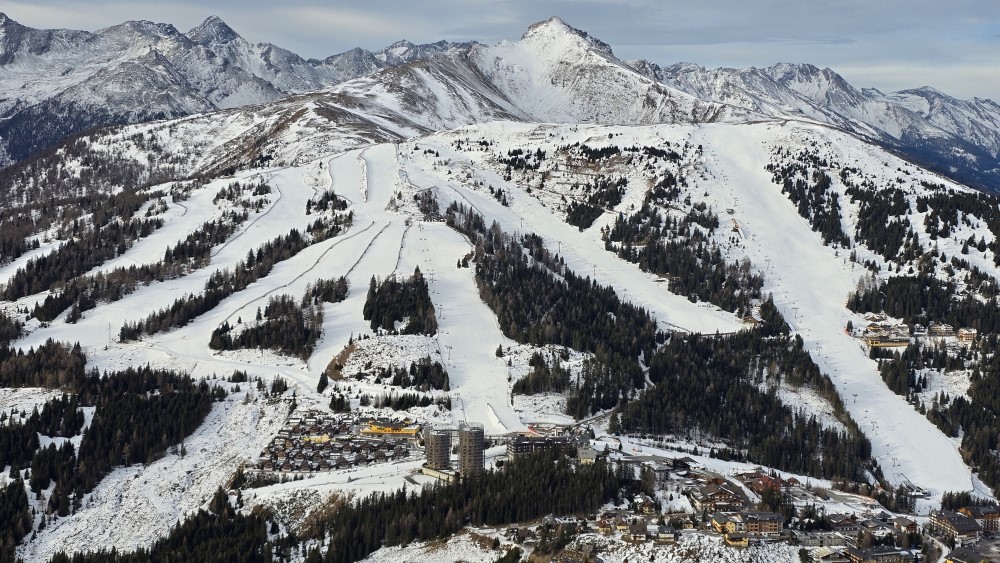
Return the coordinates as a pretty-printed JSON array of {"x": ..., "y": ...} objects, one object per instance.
[
  {"x": 906, "y": 444},
  {"x": 25, "y": 399},
  {"x": 810, "y": 283},
  {"x": 135, "y": 505},
  {"x": 460, "y": 547}
]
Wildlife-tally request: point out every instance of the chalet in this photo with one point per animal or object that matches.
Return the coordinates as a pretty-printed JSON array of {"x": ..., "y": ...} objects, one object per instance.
[
  {"x": 719, "y": 521},
  {"x": 685, "y": 463},
  {"x": 966, "y": 334},
  {"x": 666, "y": 534},
  {"x": 877, "y": 528},
  {"x": 605, "y": 527},
  {"x": 953, "y": 525},
  {"x": 645, "y": 505},
  {"x": 988, "y": 517},
  {"x": 877, "y": 554},
  {"x": 714, "y": 497},
  {"x": 905, "y": 525},
  {"x": 893, "y": 340},
  {"x": 523, "y": 445},
  {"x": 586, "y": 455},
  {"x": 828, "y": 555},
  {"x": 820, "y": 539},
  {"x": 662, "y": 472},
  {"x": 524, "y": 535},
  {"x": 621, "y": 525},
  {"x": 637, "y": 531},
  {"x": 941, "y": 329},
  {"x": 844, "y": 523},
  {"x": 765, "y": 483}
]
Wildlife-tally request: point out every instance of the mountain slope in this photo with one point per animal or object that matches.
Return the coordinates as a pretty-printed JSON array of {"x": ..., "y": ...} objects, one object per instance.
[
  {"x": 955, "y": 137},
  {"x": 558, "y": 73},
  {"x": 69, "y": 81}
]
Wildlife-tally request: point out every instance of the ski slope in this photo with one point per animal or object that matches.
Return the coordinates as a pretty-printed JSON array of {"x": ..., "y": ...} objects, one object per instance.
[
  {"x": 809, "y": 281},
  {"x": 810, "y": 286}
]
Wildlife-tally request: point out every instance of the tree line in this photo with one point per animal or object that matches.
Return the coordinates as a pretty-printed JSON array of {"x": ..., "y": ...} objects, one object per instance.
[
  {"x": 139, "y": 414},
  {"x": 393, "y": 299},
  {"x": 286, "y": 327},
  {"x": 808, "y": 188},
  {"x": 423, "y": 374},
  {"x": 543, "y": 377},
  {"x": 924, "y": 298},
  {"x": 221, "y": 284},
  {"x": 539, "y": 301},
  {"x": 715, "y": 386},
  {"x": 89, "y": 248},
  {"x": 668, "y": 246},
  {"x": 84, "y": 292},
  {"x": 527, "y": 488}
]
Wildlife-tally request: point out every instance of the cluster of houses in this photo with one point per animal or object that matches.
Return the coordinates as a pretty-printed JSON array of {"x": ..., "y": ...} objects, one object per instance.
[
  {"x": 313, "y": 443},
  {"x": 725, "y": 505},
  {"x": 883, "y": 332},
  {"x": 963, "y": 528},
  {"x": 636, "y": 528}
]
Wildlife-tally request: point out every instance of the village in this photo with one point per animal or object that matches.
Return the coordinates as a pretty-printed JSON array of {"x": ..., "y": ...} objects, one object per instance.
[
  {"x": 674, "y": 496},
  {"x": 667, "y": 497},
  {"x": 883, "y": 332},
  {"x": 315, "y": 442}
]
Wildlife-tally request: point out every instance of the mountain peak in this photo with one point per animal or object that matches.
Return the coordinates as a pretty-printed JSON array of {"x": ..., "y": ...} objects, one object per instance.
[
  {"x": 401, "y": 44},
  {"x": 9, "y": 23},
  {"x": 141, "y": 27},
  {"x": 554, "y": 28},
  {"x": 213, "y": 30},
  {"x": 926, "y": 92}
]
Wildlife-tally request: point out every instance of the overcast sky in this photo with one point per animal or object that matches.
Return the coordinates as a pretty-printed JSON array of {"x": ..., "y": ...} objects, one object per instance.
[{"x": 953, "y": 45}]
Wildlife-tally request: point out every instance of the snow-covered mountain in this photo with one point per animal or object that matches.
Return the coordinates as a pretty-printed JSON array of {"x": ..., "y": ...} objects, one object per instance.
[
  {"x": 546, "y": 191},
  {"x": 956, "y": 137},
  {"x": 355, "y": 152},
  {"x": 558, "y": 73},
  {"x": 54, "y": 83}
]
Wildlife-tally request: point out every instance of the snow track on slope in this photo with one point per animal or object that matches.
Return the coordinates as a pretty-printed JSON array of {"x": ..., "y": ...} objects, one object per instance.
[{"x": 906, "y": 444}]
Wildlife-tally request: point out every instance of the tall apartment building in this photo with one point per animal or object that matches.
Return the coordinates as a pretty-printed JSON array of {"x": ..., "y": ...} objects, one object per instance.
[
  {"x": 471, "y": 448},
  {"x": 437, "y": 444}
]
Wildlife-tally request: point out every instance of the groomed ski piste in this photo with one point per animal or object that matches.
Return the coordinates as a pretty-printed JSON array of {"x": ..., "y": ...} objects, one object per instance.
[{"x": 809, "y": 281}]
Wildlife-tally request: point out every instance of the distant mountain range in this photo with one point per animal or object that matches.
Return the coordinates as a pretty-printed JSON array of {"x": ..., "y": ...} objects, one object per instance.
[
  {"x": 956, "y": 137},
  {"x": 56, "y": 83}
]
